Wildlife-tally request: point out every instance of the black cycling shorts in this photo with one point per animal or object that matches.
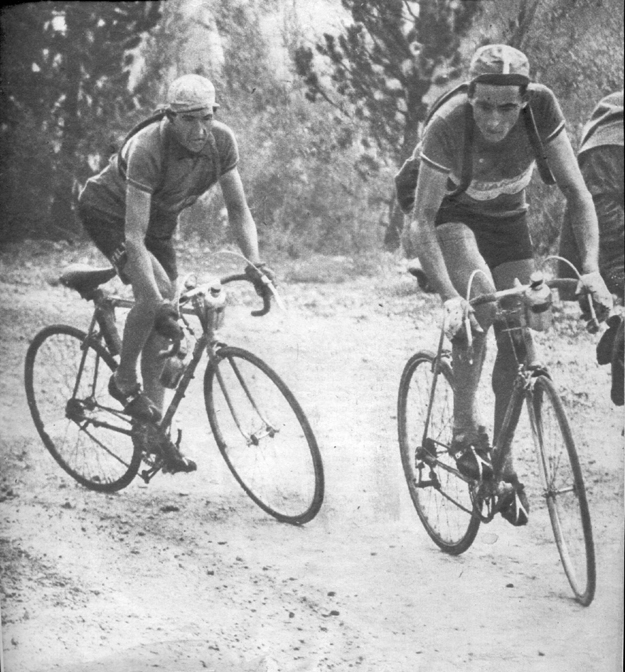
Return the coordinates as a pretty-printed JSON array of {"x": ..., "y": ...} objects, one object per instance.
[
  {"x": 499, "y": 240},
  {"x": 110, "y": 240}
]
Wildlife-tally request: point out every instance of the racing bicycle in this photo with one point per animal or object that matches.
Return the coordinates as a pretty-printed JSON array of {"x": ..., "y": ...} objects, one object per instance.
[
  {"x": 259, "y": 426},
  {"x": 452, "y": 506}
]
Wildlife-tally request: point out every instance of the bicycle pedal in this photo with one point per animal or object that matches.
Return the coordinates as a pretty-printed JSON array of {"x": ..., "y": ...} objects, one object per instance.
[
  {"x": 426, "y": 454},
  {"x": 146, "y": 437},
  {"x": 148, "y": 474},
  {"x": 183, "y": 465},
  {"x": 514, "y": 506},
  {"x": 173, "y": 461}
]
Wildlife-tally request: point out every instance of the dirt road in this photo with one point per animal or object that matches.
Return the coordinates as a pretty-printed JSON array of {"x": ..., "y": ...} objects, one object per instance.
[{"x": 187, "y": 574}]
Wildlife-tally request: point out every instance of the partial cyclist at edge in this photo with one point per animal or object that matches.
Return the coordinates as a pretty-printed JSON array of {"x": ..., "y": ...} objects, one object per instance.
[
  {"x": 474, "y": 218},
  {"x": 600, "y": 158},
  {"x": 130, "y": 210}
]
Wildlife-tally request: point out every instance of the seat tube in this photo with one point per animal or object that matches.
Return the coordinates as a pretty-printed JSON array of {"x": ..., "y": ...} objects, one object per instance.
[
  {"x": 85, "y": 350},
  {"x": 105, "y": 315},
  {"x": 530, "y": 350},
  {"x": 436, "y": 369}
]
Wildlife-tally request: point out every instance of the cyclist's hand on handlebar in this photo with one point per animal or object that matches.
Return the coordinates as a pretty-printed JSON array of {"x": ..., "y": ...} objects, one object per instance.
[
  {"x": 459, "y": 319},
  {"x": 166, "y": 322},
  {"x": 595, "y": 300},
  {"x": 261, "y": 276}
]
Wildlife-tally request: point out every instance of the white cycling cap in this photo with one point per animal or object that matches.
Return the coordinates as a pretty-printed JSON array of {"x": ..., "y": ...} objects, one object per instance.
[
  {"x": 499, "y": 64},
  {"x": 190, "y": 93}
]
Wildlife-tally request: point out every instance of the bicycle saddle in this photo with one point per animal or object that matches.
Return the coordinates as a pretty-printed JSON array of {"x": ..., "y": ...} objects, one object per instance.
[{"x": 84, "y": 279}]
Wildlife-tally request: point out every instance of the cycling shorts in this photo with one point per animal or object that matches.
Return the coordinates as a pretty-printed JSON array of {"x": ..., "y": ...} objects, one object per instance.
[
  {"x": 110, "y": 240},
  {"x": 499, "y": 240}
]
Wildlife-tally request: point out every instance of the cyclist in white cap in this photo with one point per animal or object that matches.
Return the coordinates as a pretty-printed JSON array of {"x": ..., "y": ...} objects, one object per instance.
[
  {"x": 483, "y": 225},
  {"x": 131, "y": 209}
]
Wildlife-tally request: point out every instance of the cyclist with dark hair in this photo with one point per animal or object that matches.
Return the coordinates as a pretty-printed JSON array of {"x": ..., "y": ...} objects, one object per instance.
[
  {"x": 478, "y": 234},
  {"x": 131, "y": 209}
]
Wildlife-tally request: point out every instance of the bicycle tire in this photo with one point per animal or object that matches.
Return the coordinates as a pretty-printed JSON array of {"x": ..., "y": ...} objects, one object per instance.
[
  {"x": 617, "y": 388},
  {"x": 452, "y": 527},
  {"x": 70, "y": 421},
  {"x": 564, "y": 489},
  {"x": 277, "y": 462}
]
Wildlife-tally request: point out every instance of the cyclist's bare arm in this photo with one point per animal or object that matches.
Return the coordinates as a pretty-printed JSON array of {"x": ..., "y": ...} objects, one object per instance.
[
  {"x": 139, "y": 259},
  {"x": 564, "y": 166},
  {"x": 431, "y": 189},
  {"x": 239, "y": 215}
]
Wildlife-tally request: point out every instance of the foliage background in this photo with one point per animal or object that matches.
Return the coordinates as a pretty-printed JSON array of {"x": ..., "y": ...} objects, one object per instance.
[{"x": 315, "y": 177}]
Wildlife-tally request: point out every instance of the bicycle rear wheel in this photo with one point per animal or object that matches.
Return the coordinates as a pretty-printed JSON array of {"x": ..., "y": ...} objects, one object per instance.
[
  {"x": 67, "y": 392},
  {"x": 564, "y": 489},
  {"x": 264, "y": 436},
  {"x": 439, "y": 493}
]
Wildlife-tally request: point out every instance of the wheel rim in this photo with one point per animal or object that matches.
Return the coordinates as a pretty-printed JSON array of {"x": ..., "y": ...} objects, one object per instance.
[
  {"x": 440, "y": 496},
  {"x": 270, "y": 447},
  {"x": 72, "y": 424}
]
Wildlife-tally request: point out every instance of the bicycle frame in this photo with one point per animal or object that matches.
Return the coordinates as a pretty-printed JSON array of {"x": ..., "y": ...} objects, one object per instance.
[
  {"x": 528, "y": 370},
  {"x": 206, "y": 341},
  {"x": 103, "y": 332}
]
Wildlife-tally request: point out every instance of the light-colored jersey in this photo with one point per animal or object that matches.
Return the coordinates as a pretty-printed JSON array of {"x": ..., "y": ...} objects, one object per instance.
[
  {"x": 501, "y": 171},
  {"x": 155, "y": 162}
]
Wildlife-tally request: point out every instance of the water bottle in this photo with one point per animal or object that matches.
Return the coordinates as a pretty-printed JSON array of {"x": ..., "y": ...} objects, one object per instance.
[
  {"x": 214, "y": 304},
  {"x": 174, "y": 367},
  {"x": 538, "y": 300}
]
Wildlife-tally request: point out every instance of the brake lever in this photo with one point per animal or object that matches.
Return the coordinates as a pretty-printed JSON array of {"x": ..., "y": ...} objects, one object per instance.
[{"x": 592, "y": 325}]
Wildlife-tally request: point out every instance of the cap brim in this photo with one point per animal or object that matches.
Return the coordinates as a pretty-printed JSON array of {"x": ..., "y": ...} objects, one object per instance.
[
  {"x": 192, "y": 108},
  {"x": 502, "y": 80}
]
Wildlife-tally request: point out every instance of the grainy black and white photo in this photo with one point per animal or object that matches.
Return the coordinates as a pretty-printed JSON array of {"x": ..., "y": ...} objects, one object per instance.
[{"x": 311, "y": 336}]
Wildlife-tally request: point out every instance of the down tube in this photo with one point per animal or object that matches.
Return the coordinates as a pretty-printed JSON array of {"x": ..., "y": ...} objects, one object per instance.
[{"x": 503, "y": 441}]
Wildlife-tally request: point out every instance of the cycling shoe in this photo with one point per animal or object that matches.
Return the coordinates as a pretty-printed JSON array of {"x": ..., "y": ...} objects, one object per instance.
[
  {"x": 514, "y": 506},
  {"x": 472, "y": 455},
  {"x": 135, "y": 402},
  {"x": 152, "y": 441}
]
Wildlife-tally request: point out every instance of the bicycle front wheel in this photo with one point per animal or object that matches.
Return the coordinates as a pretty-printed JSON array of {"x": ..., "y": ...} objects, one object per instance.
[
  {"x": 439, "y": 493},
  {"x": 264, "y": 436},
  {"x": 67, "y": 392},
  {"x": 564, "y": 489}
]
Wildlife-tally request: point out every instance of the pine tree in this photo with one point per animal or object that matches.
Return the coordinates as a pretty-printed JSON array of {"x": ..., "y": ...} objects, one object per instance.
[
  {"x": 385, "y": 63},
  {"x": 65, "y": 70}
]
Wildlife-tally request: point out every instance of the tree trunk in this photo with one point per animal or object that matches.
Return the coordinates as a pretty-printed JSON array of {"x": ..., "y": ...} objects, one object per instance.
[{"x": 62, "y": 210}]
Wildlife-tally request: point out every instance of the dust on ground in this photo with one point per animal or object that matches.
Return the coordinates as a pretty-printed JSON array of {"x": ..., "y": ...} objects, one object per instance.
[{"x": 188, "y": 574}]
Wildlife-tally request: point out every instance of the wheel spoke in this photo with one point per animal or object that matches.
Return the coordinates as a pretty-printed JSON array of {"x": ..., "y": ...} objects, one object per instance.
[
  {"x": 66, "y": 387},
  {"x": 439, "y": 493},
  {"x": 564, "y": 489},
  {"x": 264, "y": 436}
]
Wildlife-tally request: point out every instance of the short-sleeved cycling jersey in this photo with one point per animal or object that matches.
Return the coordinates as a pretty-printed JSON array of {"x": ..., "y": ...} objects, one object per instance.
[
  {"x": 159, "y": 165},
  {"x": 500, "y": 171},
  {"x": 600, "y": 159}
]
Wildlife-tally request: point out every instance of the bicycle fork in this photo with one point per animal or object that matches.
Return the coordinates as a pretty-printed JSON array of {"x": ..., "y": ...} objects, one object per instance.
[{"x": 267, "y": 429}]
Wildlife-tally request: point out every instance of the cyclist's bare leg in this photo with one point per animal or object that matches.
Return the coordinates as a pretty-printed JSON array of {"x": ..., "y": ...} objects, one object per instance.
[
  {"x": 462, "y": 258},
  {"x": 505, "y": 369},
  {"x": 138, "y": 338},
  {"x": 152, "y": 366}
]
